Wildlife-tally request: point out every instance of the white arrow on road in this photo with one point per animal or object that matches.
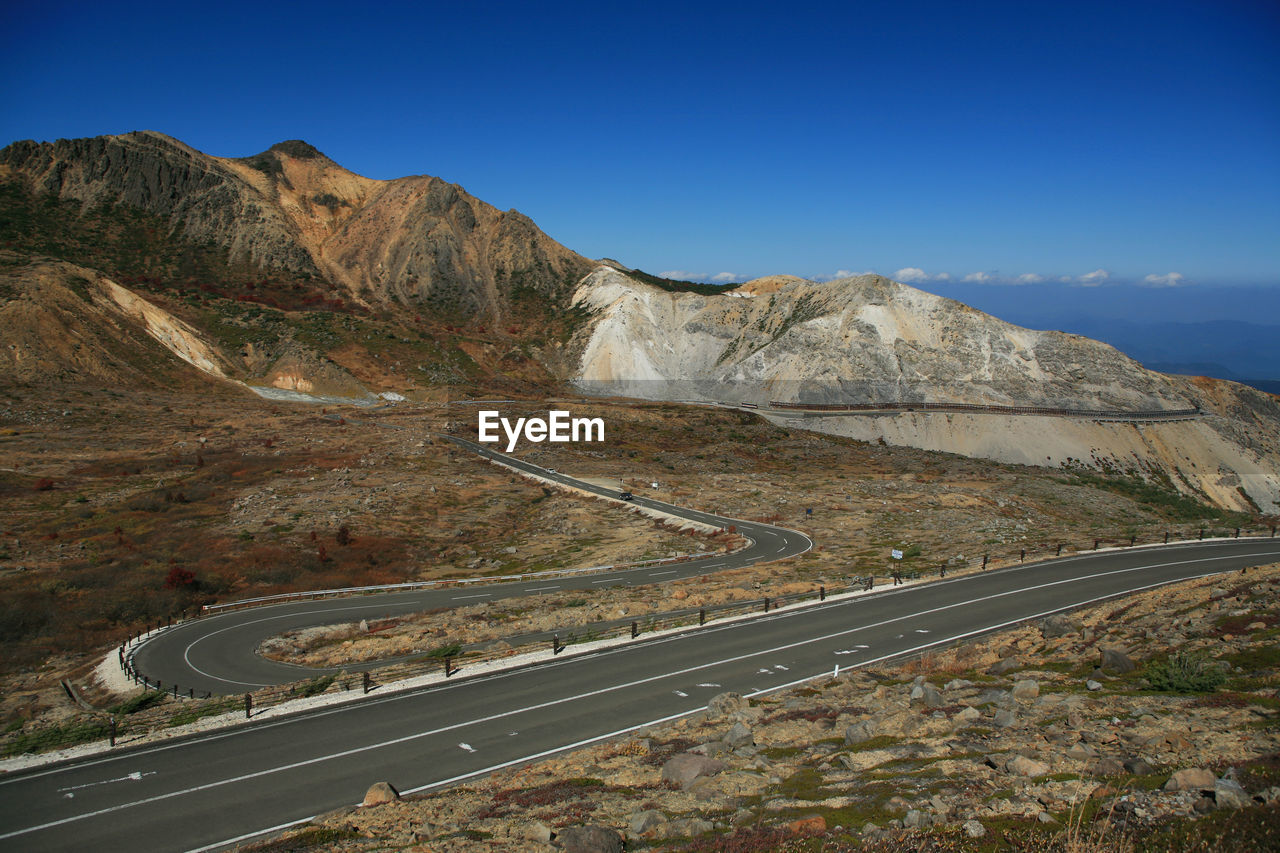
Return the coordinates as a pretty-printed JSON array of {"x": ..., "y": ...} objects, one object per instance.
[{"x": 135, "y": 776}]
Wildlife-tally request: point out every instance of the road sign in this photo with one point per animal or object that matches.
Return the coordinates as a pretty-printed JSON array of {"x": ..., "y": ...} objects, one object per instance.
[{"x": 896, "y": 554}]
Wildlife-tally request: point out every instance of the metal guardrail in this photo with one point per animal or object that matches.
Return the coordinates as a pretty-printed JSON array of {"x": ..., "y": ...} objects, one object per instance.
[
  {"x": 444, "y": 583},
  {"x": 1103, "y": 414},
  {"x": 174, "y": 705}
]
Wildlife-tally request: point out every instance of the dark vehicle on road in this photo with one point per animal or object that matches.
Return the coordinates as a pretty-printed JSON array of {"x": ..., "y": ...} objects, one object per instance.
[{"x": 626, "y": 496}]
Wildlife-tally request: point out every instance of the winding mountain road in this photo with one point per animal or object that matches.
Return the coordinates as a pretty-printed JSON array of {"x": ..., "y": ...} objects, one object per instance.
[
  {"x": 208, "y": 791},
  {"x": 218, "y": 654}
]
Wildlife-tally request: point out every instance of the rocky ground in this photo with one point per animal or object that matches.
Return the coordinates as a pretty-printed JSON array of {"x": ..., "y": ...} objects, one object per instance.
[
  {"x": 1050, "y": 736},
  {"x": 113, "y": 522}
]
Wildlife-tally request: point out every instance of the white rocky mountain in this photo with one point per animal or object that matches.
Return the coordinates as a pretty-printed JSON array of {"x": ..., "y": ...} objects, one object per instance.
[{"x": 869, "y": 339}]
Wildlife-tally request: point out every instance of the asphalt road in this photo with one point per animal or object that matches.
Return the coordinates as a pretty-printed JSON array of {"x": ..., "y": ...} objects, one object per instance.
[
  {"x": 210, "y": 790},
  {"x": 218, "y": 653}
]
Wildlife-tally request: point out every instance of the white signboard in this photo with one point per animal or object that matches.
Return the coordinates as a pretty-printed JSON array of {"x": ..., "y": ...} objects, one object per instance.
[{"x": 896, "y": 554}]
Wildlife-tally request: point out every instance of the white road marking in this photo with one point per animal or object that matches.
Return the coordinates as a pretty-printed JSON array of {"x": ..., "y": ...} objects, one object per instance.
[
  {"x": 659, "y": 574},
  {"x": 135, "y": 776},
  {"x": 764, "y": 672},
  {"x": 681, "y": 694},
  {"x": 846, "y": 652},
  {"x": 465, "y": 597},
  {"x": 540, "y": 588},
  {"x": 606, "y": 580},
  {"x": 922, "y": 630},
  {"x": 781, "y": 667},
  {"x": 708, "y": 684},
  {"x": 468, "y": 747},
  {"x": 754, "y": 692}
]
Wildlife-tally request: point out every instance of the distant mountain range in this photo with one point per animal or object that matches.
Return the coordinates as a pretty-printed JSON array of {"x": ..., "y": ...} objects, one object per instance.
[{"x": 135, "y": 259}]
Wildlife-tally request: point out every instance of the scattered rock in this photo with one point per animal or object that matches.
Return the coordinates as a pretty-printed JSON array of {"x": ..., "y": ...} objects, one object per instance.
[
  {"x": 380, "y": 792},
  {"x": 1057, "y": 626},
  {"x": 897, "y": 804},
  {"x": 589, "y": 839},
  {"x": 915, "y": 819},
  {"x": 1004, "y": 718},
  {"x": 857, "y": 733},
  {"x": 685, "y": 767},
  {"x": 1227, "y": 794},
  {"x": 688, "y": 827},
  {"x": 739, "y": 735},
  {"x": 974, "y": 829},
  {"x": 928, "y": 695},
  {"x": 538, "y": 831},
  {"x": 1025, "y": 691},
  {"x": 1093, "y": 685},
  {"x": 724, "y": 704},
  {"x": 1115, "y": 660},
  {"x": 1022, "y": 766},
  {"x": 1138, "y": 767},
  {"x": 1006, "y": 665},
  {"x": 1108, "y": 767},
  {"x": 1191, "y": 779},
  {"x": 809, "y": 825},
  {"x": 1082, "y": 752}
]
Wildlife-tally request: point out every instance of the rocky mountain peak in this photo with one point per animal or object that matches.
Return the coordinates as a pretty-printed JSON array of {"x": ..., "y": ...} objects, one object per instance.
[
  {"x": 297, "y": 148},
  {"x": 417, "y": 240}
]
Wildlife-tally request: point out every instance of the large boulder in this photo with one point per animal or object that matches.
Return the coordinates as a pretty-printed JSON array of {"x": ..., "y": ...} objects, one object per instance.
[
  {"x": 689, "y": 827},
  {"x": 1191, "y": 779},
  {"x": 1227, "y": 794},
  {"x": 380, "y": 792},
  {"x": 1006, "y": 665},
  {"x": 927, "y": 695},
  {"x": 724, "y": 704},
  {"x": 649, "y": 822},
  {"x": 1116, "y": 661},
  {"x": 1026, "y": 690},
  {"x": 738, "y": 736},
  {"x": 1057, "y": 626},
  {"x": 686, "y": 767},
  {"x": 1020, "y": 765},
  {"x": 589, "y": 839}
]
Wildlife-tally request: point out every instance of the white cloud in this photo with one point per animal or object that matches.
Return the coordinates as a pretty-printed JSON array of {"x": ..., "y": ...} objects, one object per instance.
[
  {"x": 912, "y": 274},
  {"x": 1030, "y": 278},
  {"x": 725, "y": 277},
  {"x": 842, "y": 274},
  {"x": 1095, "y": 278},
  {"x": 1169, "y": 279},
  {"x": 681, "y": 275},
  {"x": 979, "y": 277},
  {"x": 1064, "y": 278}
]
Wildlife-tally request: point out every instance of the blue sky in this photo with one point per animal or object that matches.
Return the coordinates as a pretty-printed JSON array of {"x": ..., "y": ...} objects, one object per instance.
[{"x": 1048, "y": 143}]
